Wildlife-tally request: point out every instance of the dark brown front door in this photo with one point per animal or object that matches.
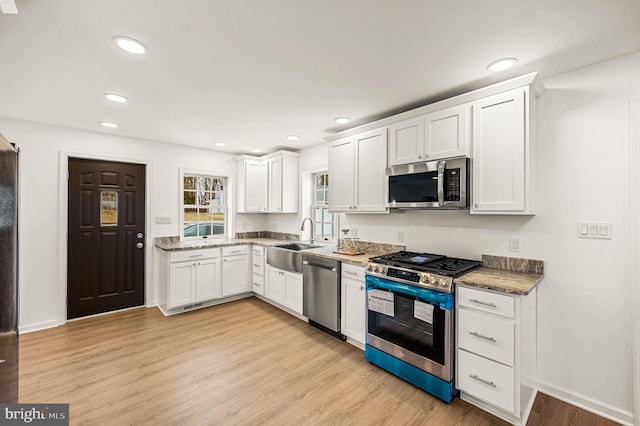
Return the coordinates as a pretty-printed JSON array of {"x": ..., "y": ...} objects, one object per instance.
[{"x": 105, "y": 262}]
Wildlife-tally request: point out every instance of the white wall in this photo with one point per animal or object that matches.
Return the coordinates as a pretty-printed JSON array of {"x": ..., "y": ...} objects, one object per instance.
[
  {"x": 584, "y": 349},
  {"x": 42, "y": 294}
]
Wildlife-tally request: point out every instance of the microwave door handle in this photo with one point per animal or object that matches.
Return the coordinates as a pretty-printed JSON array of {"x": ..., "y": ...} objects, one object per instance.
[{"x": 441, "y": 165}]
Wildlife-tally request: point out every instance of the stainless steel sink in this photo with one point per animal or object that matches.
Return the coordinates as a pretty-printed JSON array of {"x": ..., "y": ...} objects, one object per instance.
[
  {"x": 296, "y": 246},
  {"x": 287, "y": 256}
]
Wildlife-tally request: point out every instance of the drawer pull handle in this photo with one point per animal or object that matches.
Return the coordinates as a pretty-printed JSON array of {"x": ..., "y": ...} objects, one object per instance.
[
  {"x": 480, "y": 302},
  {"x": 490, "y": 339},
  {"x": 257, "y": 266},
  {"x": 481, "y": 380},
  {"x": 196, "y": 255},
  {"x": 350, "y": 272}
]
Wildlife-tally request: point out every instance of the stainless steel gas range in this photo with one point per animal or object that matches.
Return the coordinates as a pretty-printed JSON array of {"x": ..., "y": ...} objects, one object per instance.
[{"x": 410, "y": 324}]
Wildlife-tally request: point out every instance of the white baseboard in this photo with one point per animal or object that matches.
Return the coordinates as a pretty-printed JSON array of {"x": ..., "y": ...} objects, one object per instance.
[
  {"x": 604, "y": 410},
  {"x": 30, "y": 328}
]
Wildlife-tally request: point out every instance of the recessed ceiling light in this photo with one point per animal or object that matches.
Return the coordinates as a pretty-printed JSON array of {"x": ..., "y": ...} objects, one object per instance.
[
  {"x": 256, "y": 150},
  {"x": 293, "y": 137},
  {"x": 342, "y": 120},
  {"x": 130, "y": 45},
  {"x": 108, "y": 124},
  {"x": 115, "y": 98},
  {"x": 220, "y": 144},
  {"x": 502, "y": 64}
]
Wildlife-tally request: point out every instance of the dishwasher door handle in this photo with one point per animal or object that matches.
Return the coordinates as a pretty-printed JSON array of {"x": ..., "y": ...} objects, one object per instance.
[{"x": 331, "y": 268}]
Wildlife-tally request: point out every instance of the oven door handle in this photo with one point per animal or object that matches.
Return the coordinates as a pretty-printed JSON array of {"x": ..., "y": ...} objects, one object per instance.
[{"x": 444, "y": 300}]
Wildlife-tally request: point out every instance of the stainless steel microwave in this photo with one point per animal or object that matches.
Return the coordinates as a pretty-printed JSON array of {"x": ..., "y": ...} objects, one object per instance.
[{"x": 441, "y": 184}]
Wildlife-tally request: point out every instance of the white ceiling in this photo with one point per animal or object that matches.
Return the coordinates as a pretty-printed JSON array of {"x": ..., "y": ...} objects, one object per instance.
[{"x": 251, "y": 72}]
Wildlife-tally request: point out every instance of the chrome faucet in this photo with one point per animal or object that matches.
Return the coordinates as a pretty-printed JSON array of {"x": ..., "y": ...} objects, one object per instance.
[{"x": 302, "y": 227}]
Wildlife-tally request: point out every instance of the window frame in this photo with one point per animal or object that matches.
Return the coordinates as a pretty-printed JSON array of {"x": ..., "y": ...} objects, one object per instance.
[
  {"x": 184, "y": 172},
  {"x": 325, "y": 206}
]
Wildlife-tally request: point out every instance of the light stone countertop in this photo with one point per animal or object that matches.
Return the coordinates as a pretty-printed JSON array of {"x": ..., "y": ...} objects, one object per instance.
[
  {"x": 327, "y": 251},
  {"x": 506, "y": 275}
]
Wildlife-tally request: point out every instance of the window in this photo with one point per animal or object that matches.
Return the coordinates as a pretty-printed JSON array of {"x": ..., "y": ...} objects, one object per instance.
[
  {"x": 324, "y": 222},
  {"x": 203, "y": 206}
]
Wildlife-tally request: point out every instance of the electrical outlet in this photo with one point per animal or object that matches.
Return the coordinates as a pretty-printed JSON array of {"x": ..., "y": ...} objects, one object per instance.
[
  {"x": 514, "y": 244},
  {"x": 400, "y": 237}
]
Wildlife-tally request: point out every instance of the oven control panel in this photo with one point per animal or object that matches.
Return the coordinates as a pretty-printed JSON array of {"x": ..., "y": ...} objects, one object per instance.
[{"x": 408, "y": 276}]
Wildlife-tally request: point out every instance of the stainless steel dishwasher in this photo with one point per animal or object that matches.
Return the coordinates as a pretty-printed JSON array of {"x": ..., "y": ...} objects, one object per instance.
[{"x": 321, "y": 293}]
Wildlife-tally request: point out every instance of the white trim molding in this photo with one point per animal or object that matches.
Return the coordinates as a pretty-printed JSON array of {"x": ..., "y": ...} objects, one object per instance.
[
  {"x": 586, "y": 403},
  {"x": 63, "y": 194},
  {"x": 634, "y": 249}
]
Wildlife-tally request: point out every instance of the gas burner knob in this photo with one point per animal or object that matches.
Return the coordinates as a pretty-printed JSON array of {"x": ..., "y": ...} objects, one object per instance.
[
  {"x": 369, "y": 267},
  {"x": 443, "y": 282},
  {"x": 424, "y": 279},
  {"x": 379, "y": 269},
  {"x": 432, "y": 279}
]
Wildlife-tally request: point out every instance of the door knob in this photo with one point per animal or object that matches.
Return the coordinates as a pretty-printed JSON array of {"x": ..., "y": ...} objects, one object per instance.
[{"x": 139, "y": 245}]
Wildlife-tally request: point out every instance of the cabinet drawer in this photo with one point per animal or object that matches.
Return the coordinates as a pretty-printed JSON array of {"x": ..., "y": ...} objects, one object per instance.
[
  {"x": 257, "y": 284},
  {"x": 353, "y": 271},
  {"x": 486, "y": 335},
  {"x": 257, "y": 250},
  {"x": 499, "y": 304},
  {"x": 486, "y": 380},
  {"x": 234, "y": 250},
  {"x": 258, "y": 264},
  {"x": 198, "y": 254}
]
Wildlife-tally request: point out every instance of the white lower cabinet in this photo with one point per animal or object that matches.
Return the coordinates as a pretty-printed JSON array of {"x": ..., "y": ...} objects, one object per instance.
[
  {"x": 495, "y": 351},
  {"x": 194, "y": 276},
  {"x": 353, "y": 304},
  {"x": 284, "y": 288},
  {"x": 257, "y": 270},
  {"x": 235, "y": 270}
]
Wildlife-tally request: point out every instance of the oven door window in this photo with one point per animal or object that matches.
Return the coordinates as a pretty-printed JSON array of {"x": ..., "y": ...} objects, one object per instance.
[
  {"x": 412, "y": 324},
  {"x": 414, "y": 188}
]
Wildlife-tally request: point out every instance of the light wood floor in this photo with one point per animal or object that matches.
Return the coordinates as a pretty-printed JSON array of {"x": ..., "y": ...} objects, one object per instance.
[{"x": 243, "y": 362}]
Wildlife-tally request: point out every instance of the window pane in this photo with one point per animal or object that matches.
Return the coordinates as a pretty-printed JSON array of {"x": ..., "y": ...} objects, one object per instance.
[
  {"x": 189, "y": 182},
  {"x": 317, "y": 214},
  {"x": 189, "y": 198},
  {"x": 327, "y": 230},
  {"x": 317, "y": 229},
  {"x": 319, "y": 196},
  {"x": 204, "y": 198},
  {"x": 108, "y": 208},
  {"x": 328, "y": 217}
]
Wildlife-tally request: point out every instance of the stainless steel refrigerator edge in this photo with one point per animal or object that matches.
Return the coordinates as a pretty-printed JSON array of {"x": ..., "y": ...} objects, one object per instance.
[
  {"x": 321, "y": 292},
  {"x": 8, "y": 272}
]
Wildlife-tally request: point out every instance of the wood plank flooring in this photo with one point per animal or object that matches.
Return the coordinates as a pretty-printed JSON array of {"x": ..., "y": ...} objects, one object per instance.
[{"x": 244, "y": 362}]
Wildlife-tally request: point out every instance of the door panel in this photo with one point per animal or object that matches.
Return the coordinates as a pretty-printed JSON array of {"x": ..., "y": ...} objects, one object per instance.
[{"x": 105, "y": 267}]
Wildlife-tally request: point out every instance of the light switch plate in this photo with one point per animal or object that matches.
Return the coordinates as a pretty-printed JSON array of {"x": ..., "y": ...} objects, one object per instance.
[
  {"x": 601, "y": 230},
  {"x": 163, "y": 220}
]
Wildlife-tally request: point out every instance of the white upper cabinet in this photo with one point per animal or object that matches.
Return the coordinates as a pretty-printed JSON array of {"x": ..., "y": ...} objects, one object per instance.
[
  {"x": 249, "y": 186},
  {"x": 268, "y": 184},
  {"x": 503, "y": 154},
  {"x": 357, "y": 173},
  {"x": 440, "y": 134}
]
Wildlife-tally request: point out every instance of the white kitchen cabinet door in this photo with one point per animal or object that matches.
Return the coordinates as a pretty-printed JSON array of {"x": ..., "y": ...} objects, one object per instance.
[
  {"x": 235, "y": 275},
  {"x": 371, "y": 161},
  {"x": 353, "y": 303},
  {"x": 182, "y": 281},
  {"x": 274, "y": 287},
  {"x": 500, "y": 154},
  {"x": 275, "y": 185},
  {"x": 208, "y": 279},
  {"x": 252, "y": 186},
  {"x": 263, "y": 203},
  {"x": 341, "y": 175},
  {"x": 446, "y": 133},
  {"x": 293, "y": 291},
  {"x": 406, "y": 141}
]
